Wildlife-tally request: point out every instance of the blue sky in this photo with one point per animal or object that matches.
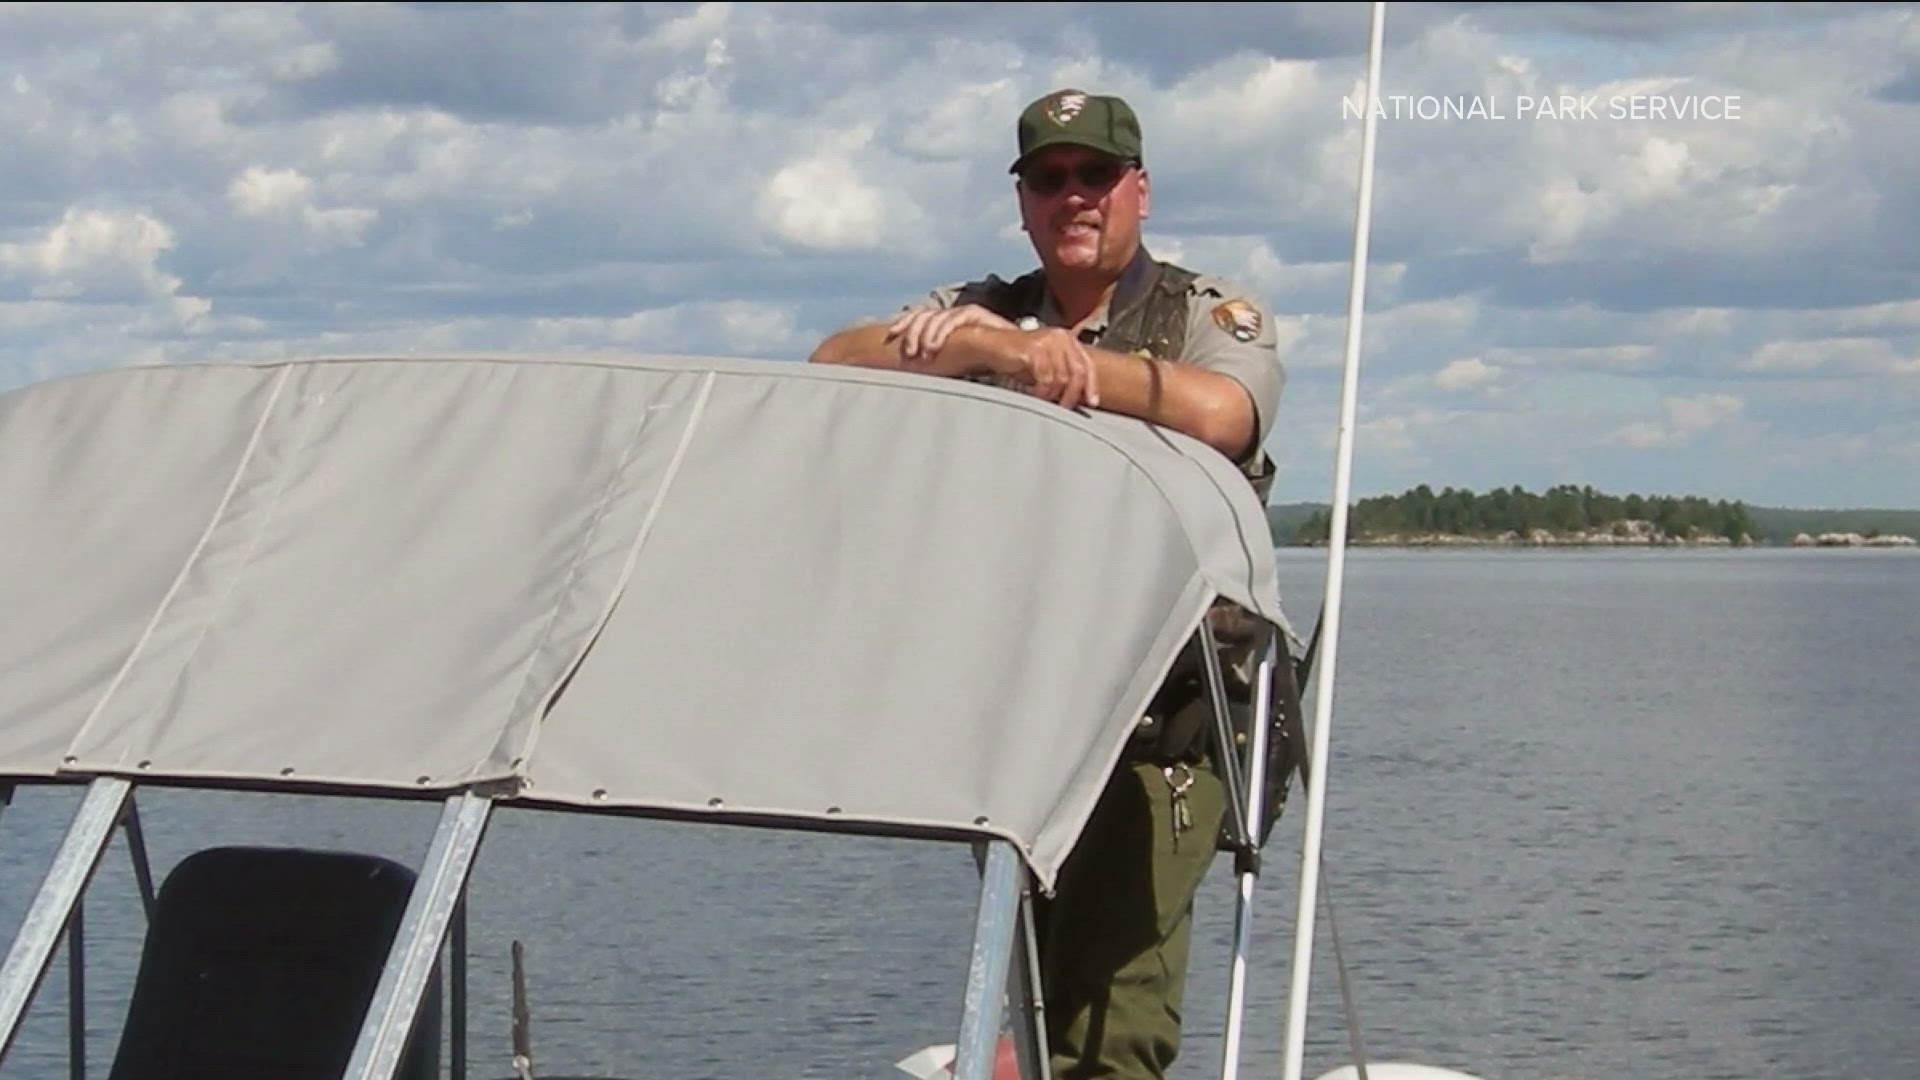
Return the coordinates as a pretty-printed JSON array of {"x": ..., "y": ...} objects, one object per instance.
[{"x": 1721, "y": 307}]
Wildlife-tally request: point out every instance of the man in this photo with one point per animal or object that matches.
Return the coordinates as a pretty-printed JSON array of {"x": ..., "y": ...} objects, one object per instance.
[{"x": 1102, "y": 324}]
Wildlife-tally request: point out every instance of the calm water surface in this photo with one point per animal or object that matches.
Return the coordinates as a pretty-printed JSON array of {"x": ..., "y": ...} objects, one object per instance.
[{"x": 1593, "y": 814}]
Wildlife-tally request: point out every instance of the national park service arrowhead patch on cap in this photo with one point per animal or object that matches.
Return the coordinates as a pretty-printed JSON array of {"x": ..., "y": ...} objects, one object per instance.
[
  {"x": 1076, "y": 118},
  {"x": 1065, "y": 105},
  {"x": 1239, "y": 318}
]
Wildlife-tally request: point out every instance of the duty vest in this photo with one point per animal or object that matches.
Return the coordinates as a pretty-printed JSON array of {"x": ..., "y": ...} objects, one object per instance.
[{"x": 1153, "y": 326}]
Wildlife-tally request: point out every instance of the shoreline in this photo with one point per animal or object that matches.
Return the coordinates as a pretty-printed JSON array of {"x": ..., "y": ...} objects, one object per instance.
[{"x": 1541, "y": 539}]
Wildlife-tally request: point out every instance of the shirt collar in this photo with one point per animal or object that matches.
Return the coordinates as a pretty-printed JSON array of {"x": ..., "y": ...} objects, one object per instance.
[{"x": 1134, "y": 284}]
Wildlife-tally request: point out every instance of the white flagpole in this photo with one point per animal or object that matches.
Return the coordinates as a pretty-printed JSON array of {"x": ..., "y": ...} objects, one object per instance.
[{"x": 1336, "y": 571}]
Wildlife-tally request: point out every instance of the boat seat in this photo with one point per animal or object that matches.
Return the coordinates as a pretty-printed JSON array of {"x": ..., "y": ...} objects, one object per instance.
[{"x": 260, "y": 962}]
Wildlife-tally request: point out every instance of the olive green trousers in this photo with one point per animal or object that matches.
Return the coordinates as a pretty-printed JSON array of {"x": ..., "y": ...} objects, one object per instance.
[{"x": 1114, "y": 936}]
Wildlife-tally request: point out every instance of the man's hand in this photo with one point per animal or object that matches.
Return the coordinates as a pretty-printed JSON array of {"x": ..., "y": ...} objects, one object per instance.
[
  {"x": 1049, "y": 363},
  {"x": 969, "y": 341},
  {"x": 1053, "y": 364},
  {"x": 922, "y": 333}
]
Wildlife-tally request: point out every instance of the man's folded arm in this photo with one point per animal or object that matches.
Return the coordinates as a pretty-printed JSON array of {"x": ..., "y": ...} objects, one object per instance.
[
  {"x": 864, "y": 345},
  {"x": 1206, "y": 405}
]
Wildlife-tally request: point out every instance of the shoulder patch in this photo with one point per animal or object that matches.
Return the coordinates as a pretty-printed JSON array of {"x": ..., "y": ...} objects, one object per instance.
[{"x": 1239, "y": 318}]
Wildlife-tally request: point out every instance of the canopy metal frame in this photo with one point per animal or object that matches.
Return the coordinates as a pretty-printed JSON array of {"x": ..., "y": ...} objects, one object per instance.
[
  {"x": 1003, "y": 983},
  {"x": 32, "y": 950},
  {"x": 53, "y": 907},
  {"x": 438, "y": 893}
]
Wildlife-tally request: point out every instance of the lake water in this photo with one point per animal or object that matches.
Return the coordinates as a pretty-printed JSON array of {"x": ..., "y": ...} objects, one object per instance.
[{"x": 1598, "y": 814}]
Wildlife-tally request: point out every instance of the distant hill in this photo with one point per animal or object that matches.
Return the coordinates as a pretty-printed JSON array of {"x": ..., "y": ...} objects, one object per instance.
[
  {"x": 1767, "y": 524},
  {"x": 1563, "y": 514},
  {"x": 1779, "y": 525},
  {"x": 1285, "y": 519}
]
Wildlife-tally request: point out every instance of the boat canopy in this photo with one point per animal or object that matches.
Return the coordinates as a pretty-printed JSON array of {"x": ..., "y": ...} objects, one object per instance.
[{"x": 752, "y": 590}]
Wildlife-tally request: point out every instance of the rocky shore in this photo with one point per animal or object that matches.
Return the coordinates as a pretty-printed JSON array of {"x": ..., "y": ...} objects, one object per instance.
[
  {"x": 1542, "y": 538},
  {"x": 1619, "y": 534},
  {"x": 1850, "y": 539}
]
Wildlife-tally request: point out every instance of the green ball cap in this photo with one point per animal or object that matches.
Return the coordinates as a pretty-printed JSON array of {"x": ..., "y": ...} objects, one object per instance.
[{"x": 1076, "y": 118}]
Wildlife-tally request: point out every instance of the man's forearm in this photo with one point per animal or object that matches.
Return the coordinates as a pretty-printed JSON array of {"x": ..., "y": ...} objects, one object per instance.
[
  {"x": 969, "y": 350},
  {"x": 858, "y": 346},
  {"x": 874, "y": 346},
  {"x": 1206, "y": 405}
]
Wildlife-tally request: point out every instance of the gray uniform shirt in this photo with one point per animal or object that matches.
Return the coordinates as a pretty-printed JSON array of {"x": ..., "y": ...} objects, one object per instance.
[{"x": 1228, "y": 330}]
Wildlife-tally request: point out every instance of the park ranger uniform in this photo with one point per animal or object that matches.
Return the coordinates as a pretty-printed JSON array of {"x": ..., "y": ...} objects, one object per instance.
[
  {"x": 1114, "y": 937},
  {"x": 1165, "y": 313}
]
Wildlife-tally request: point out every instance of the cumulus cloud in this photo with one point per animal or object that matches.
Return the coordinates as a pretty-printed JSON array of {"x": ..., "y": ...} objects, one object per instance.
[
  {"x": 1686, "y": 418},
  {"x": 1901, "y": 315},
  {"x": 285, "y": 194},
  {"x": 1626, "y": 357},
  {"x": 1860, "y": 355},
  {"x": 741, "y": 328},
  {"x": 96, "y": 255},
  {"x": 1702, "y": 411},
  {"x": 261, "y": 191},
  {"x": 197, "y": 181},
  {"x": 1465, "y": 374},
  {"x": 1395, "y": 435},
  {"x": 1641, "y": 435},
  {"x": 823, "y": 203}
]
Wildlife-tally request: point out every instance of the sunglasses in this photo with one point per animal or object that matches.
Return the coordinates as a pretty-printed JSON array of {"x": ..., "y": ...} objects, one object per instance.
[{"x": 1092, "y": 175}]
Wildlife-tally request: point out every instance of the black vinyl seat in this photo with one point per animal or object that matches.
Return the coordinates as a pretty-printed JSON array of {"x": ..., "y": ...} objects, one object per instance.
[{"x": 260, "y": 963}]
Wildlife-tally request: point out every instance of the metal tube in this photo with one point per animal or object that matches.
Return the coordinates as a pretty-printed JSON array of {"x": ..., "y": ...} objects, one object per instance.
[
  {"x": 72, "y": 866},
  {"x": 1336, "y": 572},
  {"x": 137, "y": 849},
  {"x": 417, "y": 943},
  {"x": 993, "y": 933},
  {"x": 522, "y": 1016},
  {"x": 1243, "y": 904},
  {"x": 457, "y": 994},
  {"x": 1228, "y": 764},
  {"x": 1260, "y": 728},
  {"x": 1030, "y": 1025},
  {"x": 77, "y": 992}
]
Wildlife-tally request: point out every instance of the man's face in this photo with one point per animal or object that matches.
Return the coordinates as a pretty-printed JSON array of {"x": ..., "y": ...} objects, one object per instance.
[{"x": 1082, "y": 209}]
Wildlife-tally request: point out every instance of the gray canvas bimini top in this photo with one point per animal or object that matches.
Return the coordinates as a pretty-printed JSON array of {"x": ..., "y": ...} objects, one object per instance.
[{"x": 771, "y": 590}]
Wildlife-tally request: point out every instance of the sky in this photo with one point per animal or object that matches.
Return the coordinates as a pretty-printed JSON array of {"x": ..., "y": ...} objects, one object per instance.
[{"x": 1721, "y": 299}]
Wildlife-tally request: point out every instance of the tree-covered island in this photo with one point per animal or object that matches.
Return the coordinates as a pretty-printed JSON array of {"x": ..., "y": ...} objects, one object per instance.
[{"x": 1564, "y": 515}]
